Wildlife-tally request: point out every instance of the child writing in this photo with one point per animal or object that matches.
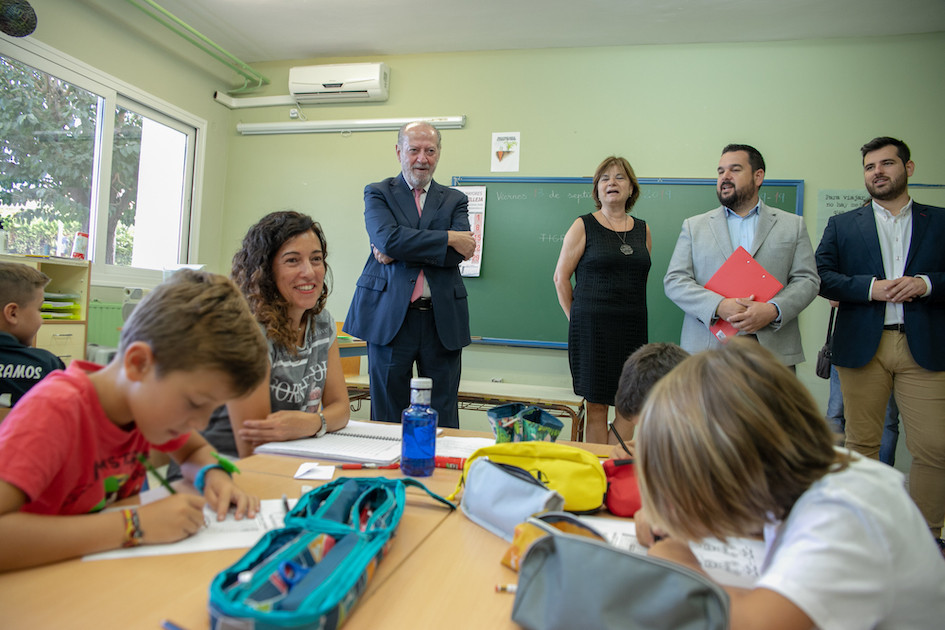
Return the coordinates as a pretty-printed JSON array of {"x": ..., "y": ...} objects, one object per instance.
[
  {"x": 21, "y": 366},
  {"x": 646, "y": 365},
  {"x": 70, "y": 446},
  {"x": 730, "y": 444}
]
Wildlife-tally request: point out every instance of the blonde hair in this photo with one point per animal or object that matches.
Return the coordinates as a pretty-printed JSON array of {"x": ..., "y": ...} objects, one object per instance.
[
  {"x": 198, "y": 320},
  {"x": 728, "y": 440}
]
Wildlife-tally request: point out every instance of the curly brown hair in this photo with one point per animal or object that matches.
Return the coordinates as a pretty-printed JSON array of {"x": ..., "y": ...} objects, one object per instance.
[{"x": 252, "y": 272}]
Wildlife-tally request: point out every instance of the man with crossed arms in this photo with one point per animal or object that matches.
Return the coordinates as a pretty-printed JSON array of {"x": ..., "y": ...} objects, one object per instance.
[{"x": 410, "y": 301}]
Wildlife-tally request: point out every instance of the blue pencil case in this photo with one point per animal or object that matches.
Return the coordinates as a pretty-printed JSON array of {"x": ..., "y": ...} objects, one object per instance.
[{"x": 312, "y": 572}]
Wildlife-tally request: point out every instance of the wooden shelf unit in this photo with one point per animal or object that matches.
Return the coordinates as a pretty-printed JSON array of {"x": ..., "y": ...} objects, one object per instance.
[{"x": 64, "y": 338}]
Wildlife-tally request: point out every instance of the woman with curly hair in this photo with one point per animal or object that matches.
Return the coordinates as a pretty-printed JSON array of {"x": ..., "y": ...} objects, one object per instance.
[{"x": 281, "y": 268}]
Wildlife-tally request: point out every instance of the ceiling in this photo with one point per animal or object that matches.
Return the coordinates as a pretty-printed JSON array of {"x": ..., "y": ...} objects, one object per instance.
[{"x": 271, "y": 30}]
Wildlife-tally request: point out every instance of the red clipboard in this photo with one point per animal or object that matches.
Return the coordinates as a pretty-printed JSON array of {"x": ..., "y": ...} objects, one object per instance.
[{"x": 740, "y": 276}]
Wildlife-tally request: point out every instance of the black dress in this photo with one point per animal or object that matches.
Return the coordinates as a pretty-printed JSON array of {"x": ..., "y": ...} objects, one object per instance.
[{"x": 608, "y": 312}]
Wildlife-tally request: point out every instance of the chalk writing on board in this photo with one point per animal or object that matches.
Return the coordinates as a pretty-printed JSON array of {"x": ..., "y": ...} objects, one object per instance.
[
  {"x": 550, "y": 238},
  {"x": 502, "y": 196},
  {"x": 772, "y": 198},
  {"x": 649, "y": 192},
  {"x": 737, "y": 563}
]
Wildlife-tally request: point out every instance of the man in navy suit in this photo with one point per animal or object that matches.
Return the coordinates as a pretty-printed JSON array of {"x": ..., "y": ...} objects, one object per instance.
[
  {"x": 885, "y": 264},
  {"x": 410, "y": 302}
]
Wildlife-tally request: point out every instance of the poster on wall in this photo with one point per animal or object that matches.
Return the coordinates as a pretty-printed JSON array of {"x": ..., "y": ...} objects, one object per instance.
[
  {"x": 477, "y": 217},
  {"x": 831, "y": 201},
  {"x": 506, "y": 148}
]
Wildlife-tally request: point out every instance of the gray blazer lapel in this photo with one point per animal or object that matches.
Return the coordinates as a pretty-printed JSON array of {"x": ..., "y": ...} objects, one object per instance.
[
  {"x": 719, "y": 227},
  {"x": 766, "y": 220}
]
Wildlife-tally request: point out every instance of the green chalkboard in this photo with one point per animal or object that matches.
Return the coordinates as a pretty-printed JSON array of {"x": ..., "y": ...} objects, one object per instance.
[{"x": 513, "y": 301}]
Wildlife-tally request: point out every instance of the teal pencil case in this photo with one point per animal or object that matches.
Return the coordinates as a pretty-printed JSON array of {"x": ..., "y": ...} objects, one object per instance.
[{"x": 312, "y": 572}]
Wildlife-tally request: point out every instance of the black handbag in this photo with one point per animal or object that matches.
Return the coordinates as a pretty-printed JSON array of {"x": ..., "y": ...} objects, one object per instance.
[{"x": 823, "y": 357}]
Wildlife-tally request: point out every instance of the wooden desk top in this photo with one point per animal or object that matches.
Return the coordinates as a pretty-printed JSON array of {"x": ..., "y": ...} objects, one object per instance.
[
  {"x": 141, "y": 592},
  {"x": 448, "y": 582},
  {"x": 439, "y": 558}
]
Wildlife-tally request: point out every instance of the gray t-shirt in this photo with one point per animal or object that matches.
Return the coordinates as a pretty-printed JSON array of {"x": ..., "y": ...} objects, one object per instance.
[{"x": 295, "y": 382}]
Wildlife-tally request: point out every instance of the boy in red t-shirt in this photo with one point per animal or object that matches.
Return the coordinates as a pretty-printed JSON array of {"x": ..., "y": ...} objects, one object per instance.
[{"x": 70, "y": 446}]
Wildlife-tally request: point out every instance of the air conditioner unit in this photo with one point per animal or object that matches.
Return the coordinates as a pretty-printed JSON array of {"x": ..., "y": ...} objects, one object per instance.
[{"x": 340, "y": 83}]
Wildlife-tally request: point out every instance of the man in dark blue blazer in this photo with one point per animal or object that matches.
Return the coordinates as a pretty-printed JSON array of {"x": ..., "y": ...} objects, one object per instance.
[
  {"x": 885, "y": 264},
  {"x": 410, "y": 302}
]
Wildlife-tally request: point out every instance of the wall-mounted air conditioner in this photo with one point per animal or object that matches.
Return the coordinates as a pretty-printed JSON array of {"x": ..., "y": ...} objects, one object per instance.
[{"x": 340, "y": 83}]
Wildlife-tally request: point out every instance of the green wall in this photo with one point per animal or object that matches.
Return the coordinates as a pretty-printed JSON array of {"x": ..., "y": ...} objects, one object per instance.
[{"x": 807, "y": 105}]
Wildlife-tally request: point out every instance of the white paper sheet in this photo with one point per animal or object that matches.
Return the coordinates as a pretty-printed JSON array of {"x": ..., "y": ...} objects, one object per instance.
[
  {"x": 226, "y": 534},
  {"x": 735, "y": 564}
]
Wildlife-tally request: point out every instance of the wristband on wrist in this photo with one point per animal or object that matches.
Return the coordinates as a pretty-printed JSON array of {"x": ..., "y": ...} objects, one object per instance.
[
  {"x": 324, "y": 428},
  {"x": 200, "y": 481},
  {"x": 133, "y": 533}
]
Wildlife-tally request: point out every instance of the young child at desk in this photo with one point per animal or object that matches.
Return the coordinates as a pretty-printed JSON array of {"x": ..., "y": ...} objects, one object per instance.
[
  {"x": 730, "y": 443},
  {"x": 21, "y": 365},
  {"x": 642, "y": 369},
  {"x": 71, "y": 445}
]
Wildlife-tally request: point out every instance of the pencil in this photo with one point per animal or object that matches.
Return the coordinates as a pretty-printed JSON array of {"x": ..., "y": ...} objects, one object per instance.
[
  {"x": 153, "y": 471},
  {"x": 623, "y": 445}
]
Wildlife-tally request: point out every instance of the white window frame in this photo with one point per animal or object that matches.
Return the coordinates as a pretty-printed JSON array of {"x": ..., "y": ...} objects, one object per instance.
[{"x": 116, "y": 92}]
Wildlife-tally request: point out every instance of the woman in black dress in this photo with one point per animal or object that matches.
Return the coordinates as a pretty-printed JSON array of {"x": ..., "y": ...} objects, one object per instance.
[{"x": 608, "y": 253}]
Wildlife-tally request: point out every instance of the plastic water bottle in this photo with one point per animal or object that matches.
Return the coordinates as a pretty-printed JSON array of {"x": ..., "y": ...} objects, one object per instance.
[{"x": 418, "y": 448}]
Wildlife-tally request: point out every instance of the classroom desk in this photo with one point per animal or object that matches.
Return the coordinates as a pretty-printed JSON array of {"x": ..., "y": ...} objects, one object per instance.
[
  {"x": 483, "y": 395},
  {"x": 412, "y": 587},
  {"x": 448, "y": 582},
  {"x": 141, "y": 592}
]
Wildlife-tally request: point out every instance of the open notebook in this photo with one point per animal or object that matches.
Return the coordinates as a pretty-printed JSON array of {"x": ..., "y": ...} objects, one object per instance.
[{"x": 363, "y": 442}]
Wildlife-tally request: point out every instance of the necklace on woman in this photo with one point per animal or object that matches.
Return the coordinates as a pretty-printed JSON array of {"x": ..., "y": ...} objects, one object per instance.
[{"x": 625, "y": 248}]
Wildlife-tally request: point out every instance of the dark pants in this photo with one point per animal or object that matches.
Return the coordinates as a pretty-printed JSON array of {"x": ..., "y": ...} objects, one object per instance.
[{"x": 390, "y": 368}]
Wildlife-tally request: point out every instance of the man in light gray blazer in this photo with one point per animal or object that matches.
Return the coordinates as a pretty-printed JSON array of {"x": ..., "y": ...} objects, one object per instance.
[{"x": 777, "y": 240}]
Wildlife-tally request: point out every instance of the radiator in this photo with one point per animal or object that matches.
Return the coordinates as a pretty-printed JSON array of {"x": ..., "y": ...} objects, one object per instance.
[{"x": 105, "y": 322}]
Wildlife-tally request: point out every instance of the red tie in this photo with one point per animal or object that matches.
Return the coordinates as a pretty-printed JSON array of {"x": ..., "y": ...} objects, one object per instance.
[{"x": 418, "y": 287}]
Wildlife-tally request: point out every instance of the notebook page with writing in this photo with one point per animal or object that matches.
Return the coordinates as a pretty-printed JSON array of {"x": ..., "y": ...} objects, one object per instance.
[{"x": 737, "y": 563}]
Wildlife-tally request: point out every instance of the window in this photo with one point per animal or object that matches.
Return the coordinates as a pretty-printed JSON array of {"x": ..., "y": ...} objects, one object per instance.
[{"x": 94, "y": 166}]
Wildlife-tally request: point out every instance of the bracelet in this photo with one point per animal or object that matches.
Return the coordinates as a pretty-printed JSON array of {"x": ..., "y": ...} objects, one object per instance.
[
  {"x": 133, "y": 533},
  {"x": 324, "y": 428},
  {"x": 200, "y": 481}
]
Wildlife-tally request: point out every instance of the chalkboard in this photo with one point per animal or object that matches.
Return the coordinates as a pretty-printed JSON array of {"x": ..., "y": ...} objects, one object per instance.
[{"x": 513, "y": 301}]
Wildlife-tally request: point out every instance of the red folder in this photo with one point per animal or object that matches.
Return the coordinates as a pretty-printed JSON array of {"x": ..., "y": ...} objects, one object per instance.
[{"x": 740, "y": 276}]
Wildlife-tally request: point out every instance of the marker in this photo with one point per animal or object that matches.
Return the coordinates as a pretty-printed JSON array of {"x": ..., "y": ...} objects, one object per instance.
[
  {"x": 506, "y": 588},
  {"x": 226, "y": 464},
  {"x": 368, "y": 466},
  {"x": 456, "y": 463},
  {"x": 623, "y": 444},
  {"x": 153, "y": 471}
]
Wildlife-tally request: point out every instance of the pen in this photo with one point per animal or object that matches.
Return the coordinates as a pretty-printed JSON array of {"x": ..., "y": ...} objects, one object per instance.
[
  {"x": 226, "y": 464},
  {"x": 170, "y": 625},
  {"x": 368, "y": 466},
  {"x": 623, "y": 444},
  {"x": 153, "y": 471},
  {"x": 285, "y": 503}
]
